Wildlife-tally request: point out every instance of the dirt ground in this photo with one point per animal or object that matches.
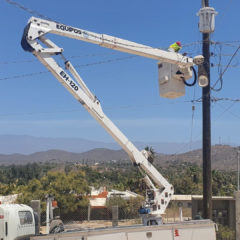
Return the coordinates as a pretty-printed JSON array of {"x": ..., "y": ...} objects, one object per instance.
[
  {"x": 93, "y": 224},
  {"x": 100, "y": 224},
  {"x": 172, "y": 215}
]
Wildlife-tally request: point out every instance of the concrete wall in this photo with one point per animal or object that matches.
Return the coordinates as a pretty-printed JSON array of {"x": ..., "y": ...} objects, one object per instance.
[{"x": 223, "y": 210}]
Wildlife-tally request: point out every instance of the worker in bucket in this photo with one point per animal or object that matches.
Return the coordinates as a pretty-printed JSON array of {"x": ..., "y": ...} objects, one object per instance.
[{"x": 175, "y": 47}]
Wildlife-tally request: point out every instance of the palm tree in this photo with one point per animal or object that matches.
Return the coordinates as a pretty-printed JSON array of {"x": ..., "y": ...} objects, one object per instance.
[{"x": 151, "y": 154}]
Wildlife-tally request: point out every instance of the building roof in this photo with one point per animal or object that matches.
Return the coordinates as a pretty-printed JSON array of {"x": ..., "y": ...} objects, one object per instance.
[
  {"x": 124, "y": 194},
  {"x": 98, "y": 197},
  {"x": 198, "y": 197},
  {"x": 182, "y": 197}
]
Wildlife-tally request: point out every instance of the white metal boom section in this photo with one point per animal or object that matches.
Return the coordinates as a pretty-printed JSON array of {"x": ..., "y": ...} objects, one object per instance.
[
  {"x": 39, "y": 27},
  {"x": 160, "y": 189}
]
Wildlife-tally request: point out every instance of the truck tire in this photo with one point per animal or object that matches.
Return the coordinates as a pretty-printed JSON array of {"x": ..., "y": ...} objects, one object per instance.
[{"x": 56, "y": 226}]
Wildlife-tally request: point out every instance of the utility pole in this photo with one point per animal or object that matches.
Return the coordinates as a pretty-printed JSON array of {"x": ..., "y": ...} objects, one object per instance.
[
  {"x": 204, "y": 70},
  {"x": 238, "y": 155}
]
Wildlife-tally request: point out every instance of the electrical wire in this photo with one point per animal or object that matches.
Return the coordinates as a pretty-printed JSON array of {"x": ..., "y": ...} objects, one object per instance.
[
  {"x": 105, "y": 61},
  {"x": 225, "y": 99},
  {"x": 23, "y": 75},
  {"x": 106, "y": 108},
  {"x": 222, "y": 65},
  {"x": 195, "y": 78},
  {"x": 28, "y": 10},
  {"x": 214, "y": 100},
  {"x": 226, "y": 110},
  {"x": 192, "y": 121},
  {"x": 222, "y": 73},
  {"x": 94, "y": 55},
  {"x": 233, "y": 114},
  {"x": 77, "y": 66},
  {"x": 71, "y": 57},
  {"x": 222, "y": 54},
  {"x": 226, "y": 43},
  {"x": 192, "y": 52},
  {"x": 198, "y": 137}
]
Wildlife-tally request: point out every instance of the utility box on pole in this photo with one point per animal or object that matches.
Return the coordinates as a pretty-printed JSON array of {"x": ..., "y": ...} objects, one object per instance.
[{"x": 207, "y": 19}]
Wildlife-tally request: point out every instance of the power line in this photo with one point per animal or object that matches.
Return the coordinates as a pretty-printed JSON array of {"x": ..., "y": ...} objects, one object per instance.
[
  {"x": 105, "y": 61},
  {"x": 226, "y": 68},
  {"x": 226, "y": 43},
  {"x": 220, "y": 71},
  {"x": 222, "y": 65},
  {"x": 90, "y": 64},
  {"x": 214, "y": 100},
  {"x": 107, "y": 108},
  {"x": 71, "y": 57},
  {"x": 187, "y": 45},
  {"x": 23, "y": 75},
  {"x": 221, "y": 55},
  {"x": 77, "y": 66},
  {"x": 224, "y": 99},
  {"x": 193, "y": 111},
  {"x": 28, "y": 10},
  {"x": 228, "y": 110}
]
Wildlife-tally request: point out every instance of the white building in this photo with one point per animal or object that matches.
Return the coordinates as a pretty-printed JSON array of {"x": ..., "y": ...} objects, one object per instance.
[{"x": 99, "y": 197}]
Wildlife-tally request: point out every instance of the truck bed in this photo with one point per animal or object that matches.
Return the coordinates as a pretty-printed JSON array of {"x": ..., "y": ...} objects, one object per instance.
[{"x": 189, "y": 230}]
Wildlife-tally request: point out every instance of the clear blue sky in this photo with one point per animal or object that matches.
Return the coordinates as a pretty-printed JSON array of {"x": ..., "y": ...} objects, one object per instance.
[{"x": 38, "y": 105}]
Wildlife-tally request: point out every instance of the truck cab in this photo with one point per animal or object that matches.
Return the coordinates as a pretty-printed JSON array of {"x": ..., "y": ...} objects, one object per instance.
[{"x": 17, "y": 222}]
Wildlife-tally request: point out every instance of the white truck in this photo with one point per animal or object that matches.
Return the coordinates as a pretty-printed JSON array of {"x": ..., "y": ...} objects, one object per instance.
[
  {"x": 175, "y": 69},
  {"x": 17, "y": 221},
  {"x": 194, "y": 230}
]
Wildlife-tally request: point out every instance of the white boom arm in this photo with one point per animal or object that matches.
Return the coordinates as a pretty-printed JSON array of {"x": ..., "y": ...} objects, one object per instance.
[
  {"x": 40, "y": 27},
  {"x": 34, "y": 35}
]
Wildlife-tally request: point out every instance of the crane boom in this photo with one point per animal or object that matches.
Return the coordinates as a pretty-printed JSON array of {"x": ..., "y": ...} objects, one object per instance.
[
  {"x": 34, "y": 40},
  {"x": 105, "y": 40}
]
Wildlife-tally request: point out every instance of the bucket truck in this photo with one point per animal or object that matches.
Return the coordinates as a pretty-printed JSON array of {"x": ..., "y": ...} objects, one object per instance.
[{"x": 35, "y": 40}]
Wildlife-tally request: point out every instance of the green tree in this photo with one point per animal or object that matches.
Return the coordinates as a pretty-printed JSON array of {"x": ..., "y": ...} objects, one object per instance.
[
  {"x": 6, "y": 189},
  {"x": 69, "y": 190},
  {"x": 151, "y": 154},
  {"x": 128, "y": 206}
]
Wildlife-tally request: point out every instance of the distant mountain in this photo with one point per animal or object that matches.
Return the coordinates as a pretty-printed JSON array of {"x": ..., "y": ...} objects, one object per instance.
[
  {"x": 23, "y": 144},
  {"x": 223, "y": 157},
  {"x": 59, "y": 156}
]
